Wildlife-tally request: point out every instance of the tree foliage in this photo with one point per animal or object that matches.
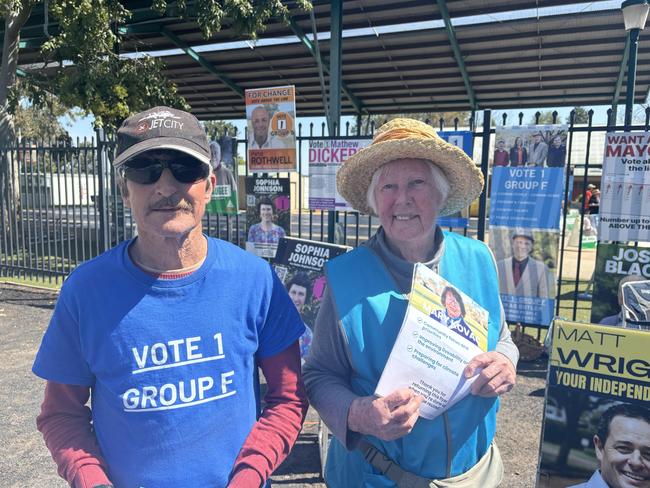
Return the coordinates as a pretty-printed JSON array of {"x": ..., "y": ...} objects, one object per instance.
[
  {"x": 41, "y": 122},
  {"x": 545, "y": 118},
  {"x": 84, "y": 69},
  {"x": 581, "y": 115},
  {"x": 220, "y": 127}
]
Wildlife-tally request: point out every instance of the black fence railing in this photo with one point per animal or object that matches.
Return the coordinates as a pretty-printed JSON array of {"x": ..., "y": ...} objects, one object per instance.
[{"x": 70, "y": 210}]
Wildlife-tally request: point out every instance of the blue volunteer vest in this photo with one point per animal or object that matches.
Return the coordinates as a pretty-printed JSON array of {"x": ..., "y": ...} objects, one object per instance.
[{"x": 371, "y": 313}]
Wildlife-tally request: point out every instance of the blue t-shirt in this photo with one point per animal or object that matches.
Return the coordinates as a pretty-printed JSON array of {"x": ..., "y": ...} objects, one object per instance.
[{"x": 171, "y": 363}]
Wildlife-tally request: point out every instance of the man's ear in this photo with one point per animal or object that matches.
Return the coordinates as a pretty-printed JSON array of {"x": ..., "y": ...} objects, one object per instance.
[
  {"x": 124, "y": 192},
  {"x": 599, "y": 448},
  {"x": 210, "y": 183}
]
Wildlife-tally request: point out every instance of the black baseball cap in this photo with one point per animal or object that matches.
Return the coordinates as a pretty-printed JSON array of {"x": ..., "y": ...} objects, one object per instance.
[{"x": 161, "y": 128}]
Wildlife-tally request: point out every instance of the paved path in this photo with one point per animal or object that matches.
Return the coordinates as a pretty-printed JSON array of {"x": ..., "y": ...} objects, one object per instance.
[{"x": 26, "y": 463}]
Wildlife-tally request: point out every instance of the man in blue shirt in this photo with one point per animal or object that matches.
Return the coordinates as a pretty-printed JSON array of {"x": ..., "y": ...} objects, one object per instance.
[{"x": 167, "y": 331}]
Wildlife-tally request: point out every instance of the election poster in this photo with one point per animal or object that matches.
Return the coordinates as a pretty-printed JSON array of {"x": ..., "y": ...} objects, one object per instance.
[
  {"x": 268, "y": 214},
  {"x": 527, "y": 267},
  {"x": 625, "y": 188},
  {"x": 527, "y": 190},
  {"x": 463, "y": 139},
  {"x": 326, "y": 156},
  {"x": 596, "y": 427},
  {"x": 528, "y": 181},
  {"x": 442, "y": 331},
  {"x": 614, "y": 262},
  {"x": 300, "y": 265},
  {"x": 271, "y": 117},
  {"x": 224, "y": 194}
]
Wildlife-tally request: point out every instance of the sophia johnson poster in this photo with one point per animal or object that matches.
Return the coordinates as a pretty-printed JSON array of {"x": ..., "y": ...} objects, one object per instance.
[{"x": 597, "y": 375}]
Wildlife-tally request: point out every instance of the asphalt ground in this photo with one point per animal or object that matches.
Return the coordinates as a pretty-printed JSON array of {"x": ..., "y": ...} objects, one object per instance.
[{"x": 26, "y": 463}]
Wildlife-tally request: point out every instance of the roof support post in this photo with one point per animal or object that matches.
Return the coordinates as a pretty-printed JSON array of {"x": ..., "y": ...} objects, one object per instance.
[
  {"x": 631, "y": 76},
  {"x": 451, "y": 34},
  {"x": 202, "y": 61},
  {"x": 485, "y": 157},
  {"x": 334, "y": 105},
  {"x": 322, "y": 61},
  {"x": 336, "y": 72},
  {"x": 621, "y": 75}
]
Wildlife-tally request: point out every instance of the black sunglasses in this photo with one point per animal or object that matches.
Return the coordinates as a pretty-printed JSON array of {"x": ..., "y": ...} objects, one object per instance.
[{"x": 146, "y": 170}]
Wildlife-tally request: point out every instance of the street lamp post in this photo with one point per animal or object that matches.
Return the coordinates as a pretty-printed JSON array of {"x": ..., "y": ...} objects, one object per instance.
[{"x": 635, "y": 14}]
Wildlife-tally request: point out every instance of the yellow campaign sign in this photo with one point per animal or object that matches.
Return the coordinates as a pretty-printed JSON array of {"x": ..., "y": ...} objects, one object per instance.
[{"x": 610, "y": 361}]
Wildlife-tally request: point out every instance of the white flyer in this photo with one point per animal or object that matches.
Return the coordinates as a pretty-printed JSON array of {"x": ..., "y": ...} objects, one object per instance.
[{"x": 442, "y": 331}]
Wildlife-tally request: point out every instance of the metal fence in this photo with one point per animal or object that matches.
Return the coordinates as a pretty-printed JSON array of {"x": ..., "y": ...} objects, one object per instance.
[{"x": 70, "y": 209}]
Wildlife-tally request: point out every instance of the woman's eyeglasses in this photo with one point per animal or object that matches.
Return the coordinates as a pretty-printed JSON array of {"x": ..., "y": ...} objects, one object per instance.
[{"x": 146, "y": 170}]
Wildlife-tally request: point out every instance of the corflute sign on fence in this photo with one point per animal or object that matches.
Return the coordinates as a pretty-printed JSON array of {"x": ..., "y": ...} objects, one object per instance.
[
  {"x": 625, "y": 188},
  {"x": 271, "y": 116},
  {"x": 326, "y": 156},
  {"x": 597, "y": 418},
  {"x": 526, "y": 198}
]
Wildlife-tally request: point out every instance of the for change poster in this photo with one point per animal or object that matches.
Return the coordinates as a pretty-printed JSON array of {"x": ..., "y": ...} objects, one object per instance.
[
  {"x": 300, "y": 265},
  {"x": 268, "y": 214},
  {"x": 615, "y": 261},
  {"x": 625, "y": 188},
  {"x": 596, "y": 426},
  {"x": 271, "y": 117},
  {"x": 326, "y": 156},
  {"x": 463, "y": 139}
]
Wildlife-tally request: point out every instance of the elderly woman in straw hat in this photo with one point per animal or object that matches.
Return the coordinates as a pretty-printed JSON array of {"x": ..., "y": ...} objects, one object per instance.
[{"x": 407, "y": 177}]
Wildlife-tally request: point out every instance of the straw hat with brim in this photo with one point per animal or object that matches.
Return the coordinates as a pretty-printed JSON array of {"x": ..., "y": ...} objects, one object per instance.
[{"x": 410, "y": 139}]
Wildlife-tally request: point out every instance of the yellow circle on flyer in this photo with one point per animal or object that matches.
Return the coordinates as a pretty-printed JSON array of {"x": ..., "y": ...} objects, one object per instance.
[{"x": 282, "y": 124}]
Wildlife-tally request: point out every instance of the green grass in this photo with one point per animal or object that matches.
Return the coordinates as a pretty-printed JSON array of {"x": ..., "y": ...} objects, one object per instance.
[
  {"x": 37, "y": 282},
  {"x": 583, "y": 307}
]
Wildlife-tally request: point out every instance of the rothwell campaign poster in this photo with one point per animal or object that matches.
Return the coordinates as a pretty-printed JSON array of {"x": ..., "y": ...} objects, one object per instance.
[
  {"x": 268, "y": 214},
  {"x": 596, "y": 430},
  {"x": 326, "y": 156},
  {"x": 271, "y": 116},
  {"x": 625, "y": 188},
  {"x": 300, "y": 265},
  {"x": 442, "y": 331},
  {"x": 614, "y": 262},
  {"x": 463, "y": 139}
]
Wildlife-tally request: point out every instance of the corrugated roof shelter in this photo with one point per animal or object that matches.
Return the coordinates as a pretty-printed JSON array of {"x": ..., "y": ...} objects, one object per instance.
[{"x": 498, "y": 54}]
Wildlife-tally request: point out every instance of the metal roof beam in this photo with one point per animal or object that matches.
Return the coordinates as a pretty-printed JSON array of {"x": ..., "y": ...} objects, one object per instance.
[
  {"x": 621, "y": 75},
  {"x": 451, "y": 34},
  {"x": 300, "y": 34},
  {"x": 202, "y": 61}
]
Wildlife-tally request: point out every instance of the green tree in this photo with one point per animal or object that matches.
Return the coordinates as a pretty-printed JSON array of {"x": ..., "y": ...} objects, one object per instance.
[
  {"x": 581, "y": 115},
  {"x": 545, "y": 118},
  {"x": 41, "y": 122},
  {"x": 88, "y": 73},
  {"x": 433, "y": 118},
  {"x": 219, "y": 127}
]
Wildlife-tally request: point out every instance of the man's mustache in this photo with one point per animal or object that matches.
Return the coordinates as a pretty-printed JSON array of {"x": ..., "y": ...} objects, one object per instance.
[{"x": 171, "y": 202}]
